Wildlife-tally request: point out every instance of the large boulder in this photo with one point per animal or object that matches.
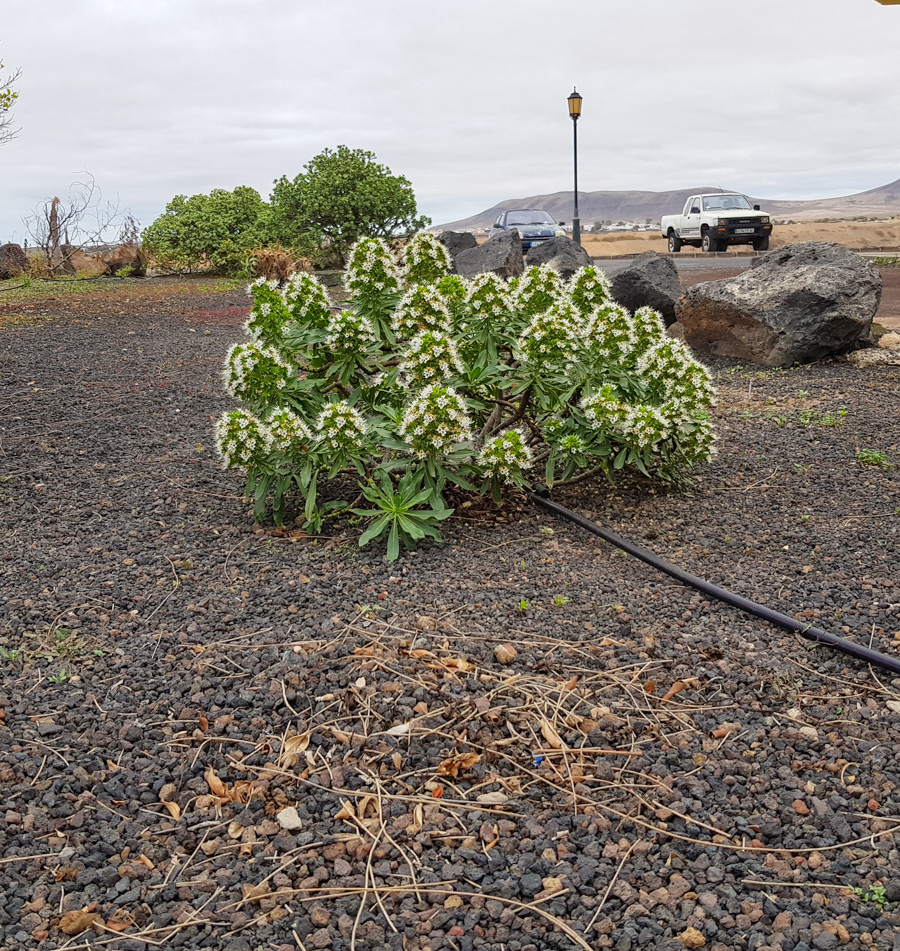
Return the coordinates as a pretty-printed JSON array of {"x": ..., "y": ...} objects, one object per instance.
[
  {"x": 799, "y": 304},
  {"x": 650, "y": 281},
  {"x": 501, "y": 255},
  {"x": 13, "y": 261},
  {"x": 456, "y": 241},
  {"x": 561, "y": 253}
]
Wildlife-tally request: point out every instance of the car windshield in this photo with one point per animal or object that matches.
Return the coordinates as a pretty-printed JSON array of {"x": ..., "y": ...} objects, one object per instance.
[
  {"x": 726, "y": 203},
  {"x": 529, "y": 218}
]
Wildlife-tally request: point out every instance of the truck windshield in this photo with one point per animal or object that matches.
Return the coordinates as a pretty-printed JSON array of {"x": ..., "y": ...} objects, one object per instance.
[
  {"x": 726, "y": 203},
  {"x": 529, "y": 218}
]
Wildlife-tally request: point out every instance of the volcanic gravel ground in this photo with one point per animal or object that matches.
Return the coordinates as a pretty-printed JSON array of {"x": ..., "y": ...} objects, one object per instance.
[{"x": 216, "y": 735}]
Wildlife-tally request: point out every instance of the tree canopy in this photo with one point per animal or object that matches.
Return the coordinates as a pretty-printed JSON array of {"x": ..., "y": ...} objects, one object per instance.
[
  {"x": 341, "y": 196},
  {"x": 8, "y": 96},
  {"x": 212, "y": 231}
]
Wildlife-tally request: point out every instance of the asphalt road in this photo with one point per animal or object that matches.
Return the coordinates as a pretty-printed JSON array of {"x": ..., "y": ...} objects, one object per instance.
[{"x": 707, "y": 263}]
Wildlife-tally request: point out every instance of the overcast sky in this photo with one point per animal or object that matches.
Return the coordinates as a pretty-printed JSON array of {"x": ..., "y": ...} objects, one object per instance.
[{"x": 467, "y": 98}]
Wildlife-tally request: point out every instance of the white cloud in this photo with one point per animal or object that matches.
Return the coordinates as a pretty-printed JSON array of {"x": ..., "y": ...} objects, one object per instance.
[{"x": 466, "y": 99}]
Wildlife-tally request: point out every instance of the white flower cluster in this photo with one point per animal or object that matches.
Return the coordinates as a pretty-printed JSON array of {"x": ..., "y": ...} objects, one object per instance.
[
  {"x": 287, "y": 430},
  {"x": 341, "y": 427},
  {"x": 506, "y": 455},
  {"x": 487, "y": 297},
  {"x": 436, "y": 421},
  {"x": 648, "y": 327},
  {"x": 539, "y": 288},
  {"x": 646, "y": 426},
  {"x": 307, "y": 300},
  {"x": 254, "y": 370},
  {"x": 427, "y": 259},
  {"x": 349, "y": 333},
  {"x": 604, "y": 409},
  {"x": 422, "y": 307},
  {"x": 551, "y": 336},
  {"x": 589, "y": 289},
  {"x": 371, "y": 269},
  {"x": 241, "y": 439},
  {"x": 268, "y": 315},
  {"x": 673, "y": 373},
  {"x": 430, "y": 357},
  {"x": 610, "y": 334}
]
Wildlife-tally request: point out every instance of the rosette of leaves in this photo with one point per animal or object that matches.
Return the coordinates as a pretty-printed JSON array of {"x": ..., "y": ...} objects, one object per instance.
[
  {"x": 307, "y": 301},
  {"x": 427, "y": 259},
  {"x": 422, "y": 307},
  {"x": 397, "y": 513},
  {"x": 374, "y": 282},
  {"x": 430, "y": 357},
  {"x": 268, "y": 315}
]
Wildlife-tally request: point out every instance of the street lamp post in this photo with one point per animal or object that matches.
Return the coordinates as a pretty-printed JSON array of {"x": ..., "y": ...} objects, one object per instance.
[{"x": 575, "y": 112}]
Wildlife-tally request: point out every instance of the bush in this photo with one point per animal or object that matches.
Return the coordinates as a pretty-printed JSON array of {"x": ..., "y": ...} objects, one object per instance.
[
  {"x": 210, "y": 232},
  {"x": 341, "y": 196},
  {"x": 276, "y": 263},
  {"x": 480, "y": 384}
]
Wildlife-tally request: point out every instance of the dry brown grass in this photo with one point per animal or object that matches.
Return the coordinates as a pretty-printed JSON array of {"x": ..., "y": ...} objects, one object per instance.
[{"x": 276, "y": 263}]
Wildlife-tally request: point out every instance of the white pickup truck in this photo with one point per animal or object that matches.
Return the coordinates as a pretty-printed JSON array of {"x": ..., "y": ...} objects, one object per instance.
[{"x": 714, "y": 221}]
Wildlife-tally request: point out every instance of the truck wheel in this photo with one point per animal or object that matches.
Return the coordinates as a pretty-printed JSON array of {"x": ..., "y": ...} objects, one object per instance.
[
  {"x": 710, "y": 245},
  {"x": 761, "y": 244},
  {"x": 674, "y": 243}
]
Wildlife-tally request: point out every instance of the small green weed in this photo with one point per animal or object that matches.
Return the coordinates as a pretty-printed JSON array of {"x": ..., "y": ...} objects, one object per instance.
[
  {"x": 560, "y": 599},
  {"x": 523, "y": 604},
  {"x": 12, "y": 654},
  {"x": 59, "y": 678},
  {"x": 874, "y": 894},
  {"x": 872, "y": 459}
]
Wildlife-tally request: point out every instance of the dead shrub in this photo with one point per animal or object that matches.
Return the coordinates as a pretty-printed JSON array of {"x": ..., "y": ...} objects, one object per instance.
[{"x": 276, "y": 263}]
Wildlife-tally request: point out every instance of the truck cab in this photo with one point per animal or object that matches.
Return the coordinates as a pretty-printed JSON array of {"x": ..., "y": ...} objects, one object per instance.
[{"x": 715, "y": 221}]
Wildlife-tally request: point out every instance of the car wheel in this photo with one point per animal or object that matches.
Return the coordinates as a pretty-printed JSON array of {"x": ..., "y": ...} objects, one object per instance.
[
  {"x": 761, "y": 244},
  {"x": 710, "y": 245},
  {"x": 674, "y": 243}
]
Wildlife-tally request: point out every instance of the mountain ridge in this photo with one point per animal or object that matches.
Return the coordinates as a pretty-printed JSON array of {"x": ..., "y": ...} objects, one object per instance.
[{"x": 637, "y": 206}]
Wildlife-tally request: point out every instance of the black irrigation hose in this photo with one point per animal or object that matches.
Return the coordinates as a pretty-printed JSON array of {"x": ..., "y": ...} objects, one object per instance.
[{"x": 744, "y": 604}]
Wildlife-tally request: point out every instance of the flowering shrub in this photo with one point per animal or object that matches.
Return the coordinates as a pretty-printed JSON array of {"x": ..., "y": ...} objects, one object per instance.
[{"x": 426, "y": 380}]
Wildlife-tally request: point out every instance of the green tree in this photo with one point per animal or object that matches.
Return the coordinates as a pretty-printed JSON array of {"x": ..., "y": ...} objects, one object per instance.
[
  {"x": 342, "y": 196},
  {"x": 8, "y": 96},
  {"x": 207, "y": 232}
]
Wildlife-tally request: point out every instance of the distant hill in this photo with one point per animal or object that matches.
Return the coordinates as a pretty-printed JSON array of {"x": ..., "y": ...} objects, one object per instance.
[{"x": 881, "y": 202}]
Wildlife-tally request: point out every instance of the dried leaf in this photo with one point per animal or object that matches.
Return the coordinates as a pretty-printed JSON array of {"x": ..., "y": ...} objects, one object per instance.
[
  {"x": 571, "y": 684},
  {"x": 437, "y": 792},
  {"x": 254, "y": 892},
  {"x": 168, "y": 792},
  {"x": 118, "y": 924},
  {"x": 296, "y": 744},
  {"x": 74, "y": 922},
  {"x": 368, "y": 651},
  {"x": 215, "y": 784},
  {"x": 460, "y": 761},
  {"x": 493, "y": 798},
  {"x": 401, "y": 729},
  {"x": 677, "y": 687},
  {"x": 204, "y": 723},
  {"x": 650, "y": 687},
  {"x": 397, "y": 760},
  {"x": 550, "y": 735},
  {"x": 418, "y": 814},
  {"x": 505, "y": 653},
  {"x": 66, "y": 873},
  {"x": 726, "y": 729},
  {"x": 346, "y": 811},
  {"x": 146, "y": 862},
  {"x": 174, "y": 810},
  {"x": 340, "y": 735},
  {"x": 363, "y": 805}
]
